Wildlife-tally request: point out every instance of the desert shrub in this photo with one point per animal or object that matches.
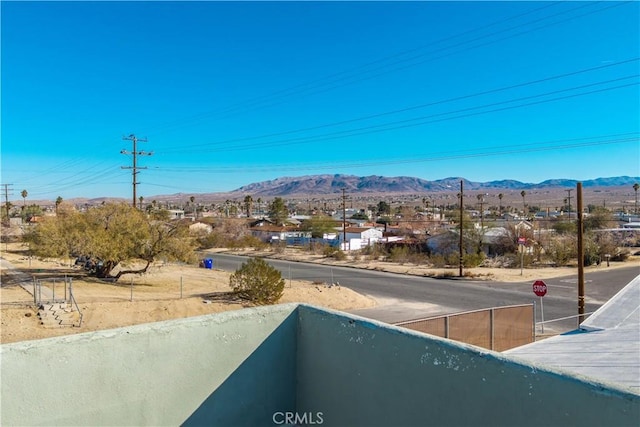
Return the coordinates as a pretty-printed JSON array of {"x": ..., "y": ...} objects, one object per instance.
[
  {"x": 316, "y": 247},
  {"x": 399, "y": 254},
  {"x": 620, "y": 255},
  {"x": 278, "y": 246},
  {"x": 561, "y": 250},
  {"x": 249, "y": 241},
  {"x": 591, "y": 252},
  {"x": 452, "y": 258},
  {"x": 335, "y": 253},
  {"x": 257, "y": 282},
  {"x": 418, "y": 258},
  {"x": 212, "y": 240},
  {"x": 373, "y": 252},
  {"x": 473, "y": 260},
  {"x": 438, "y": 261}
]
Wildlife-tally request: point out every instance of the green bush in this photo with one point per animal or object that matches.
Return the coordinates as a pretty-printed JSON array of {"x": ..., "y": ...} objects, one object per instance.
[
  {"x": 452, "y": 258},
  {"x": 373, "y": 252},
  {"x": 438, "y": 261},
  {"x": 561, "y": 250},
  {"x": 399, "y": 254},
  {"x": 335, "y": 253},
  {"x": 257, "y": 282},
  {"x": 472, "y": 260}
]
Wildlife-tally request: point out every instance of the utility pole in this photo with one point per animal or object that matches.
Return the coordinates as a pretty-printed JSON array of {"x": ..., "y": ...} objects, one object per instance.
[
  {"x": 134, "y": 168},
  {"x": 461, "y": 218},
  {"x": 344, "y": 218},
  {"x": 569, "y": 200},
  {"x": 6, "y": 199},
  {"x": 580, "y": 255},
  {"x": 481, "y": 200}
]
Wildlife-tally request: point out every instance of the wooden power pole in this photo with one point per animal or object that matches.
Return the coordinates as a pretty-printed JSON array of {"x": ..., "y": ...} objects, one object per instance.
[
  {"x": 134, "y": 168},
  {"x": 580, "y": 230}
]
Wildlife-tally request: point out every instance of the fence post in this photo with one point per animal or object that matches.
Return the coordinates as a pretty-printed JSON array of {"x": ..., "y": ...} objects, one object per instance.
[
  {"x": 491, "y": 323},
  {"x": 534, "y": 320},
  {"x": 65, "y": 288},
  {"x": 446, "y": 326},
  {"x": 35, "y": 295},
  {"x": 53, "y": 287},
  {"x": 71, "y": 292}
]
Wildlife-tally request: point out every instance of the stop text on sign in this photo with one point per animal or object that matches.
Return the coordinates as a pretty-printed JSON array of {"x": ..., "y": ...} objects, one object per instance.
[{"x": 539, "y": 288}]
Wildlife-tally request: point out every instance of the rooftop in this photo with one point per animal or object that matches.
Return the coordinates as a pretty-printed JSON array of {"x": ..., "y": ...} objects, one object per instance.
[{"x": 606, "y": 347}]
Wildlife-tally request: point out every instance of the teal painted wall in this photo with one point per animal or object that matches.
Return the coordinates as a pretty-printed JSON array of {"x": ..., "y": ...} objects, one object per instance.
[
  {"x": 361, "y": 373},
  {"x": 240, "y": 368},
  {"x": 233, "y": 368}
]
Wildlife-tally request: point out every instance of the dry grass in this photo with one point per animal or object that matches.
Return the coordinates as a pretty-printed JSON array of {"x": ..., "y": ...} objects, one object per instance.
[
  {"x": 164, "y": 292},
  {"x": 175, "y": 291}
]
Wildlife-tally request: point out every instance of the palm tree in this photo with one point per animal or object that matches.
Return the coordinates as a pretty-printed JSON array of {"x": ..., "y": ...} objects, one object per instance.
[
  {"x": 58, "y": 202},
  {"x": 635, "y": 188},
  {"x": 24, "y": 195},
  {"x": 248, "y": 204},
  {"x": 524, "y": 204},
  {"x": 481, "y": 202},
  {"x": 500, "y": 196},
  {"x": 141, "y": 200},
  {"x": 192, "y": 199}
]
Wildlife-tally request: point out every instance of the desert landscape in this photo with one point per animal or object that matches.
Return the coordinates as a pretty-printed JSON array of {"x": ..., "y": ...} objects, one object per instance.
[{"x": 170, "y": 291}]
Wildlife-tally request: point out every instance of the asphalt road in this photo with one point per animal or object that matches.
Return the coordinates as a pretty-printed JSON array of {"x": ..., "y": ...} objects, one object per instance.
[{"x": 403, "y": 297}]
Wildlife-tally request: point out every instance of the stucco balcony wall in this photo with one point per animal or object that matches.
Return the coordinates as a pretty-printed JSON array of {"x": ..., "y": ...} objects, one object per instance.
[{"x": 240, "y": 368}]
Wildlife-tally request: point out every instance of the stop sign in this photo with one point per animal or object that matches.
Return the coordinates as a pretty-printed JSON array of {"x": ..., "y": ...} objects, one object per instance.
[{"x": 539, "y": 288}]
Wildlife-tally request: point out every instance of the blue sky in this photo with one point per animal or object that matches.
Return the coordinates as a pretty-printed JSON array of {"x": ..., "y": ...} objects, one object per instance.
[{"x": 230, "y": 93}]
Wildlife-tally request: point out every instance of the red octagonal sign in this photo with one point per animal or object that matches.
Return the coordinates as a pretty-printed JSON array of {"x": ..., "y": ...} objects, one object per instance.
[{"x": 539, "y": 288}]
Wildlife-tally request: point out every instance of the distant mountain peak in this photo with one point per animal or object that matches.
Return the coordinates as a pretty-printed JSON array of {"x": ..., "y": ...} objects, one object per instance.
[{"x": 331, "y": 183}]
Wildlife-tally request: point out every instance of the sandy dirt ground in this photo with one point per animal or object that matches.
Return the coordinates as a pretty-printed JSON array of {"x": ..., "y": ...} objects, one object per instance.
[{"x": 175, "y": 291}]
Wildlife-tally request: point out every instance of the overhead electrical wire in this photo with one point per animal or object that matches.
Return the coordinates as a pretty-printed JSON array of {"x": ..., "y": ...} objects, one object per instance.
[
  {"x": 385, "y": 65},
  {"x": 312, "y": 85},
  {"x": 401, "y": 110},
  {"x": 433, "y": 58},
  {"x": 629, "y": 137},
  {"x": 421, "y": 120},
  {"x": 296, "y": 89}
]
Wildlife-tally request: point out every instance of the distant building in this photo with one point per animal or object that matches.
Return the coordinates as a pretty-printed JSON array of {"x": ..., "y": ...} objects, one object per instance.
[{"x": 176, "y": 214}]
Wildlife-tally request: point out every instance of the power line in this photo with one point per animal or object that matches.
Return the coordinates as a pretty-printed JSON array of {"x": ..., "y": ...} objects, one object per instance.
[
  {"x": 296, "y": 90},
  {"x": 415, "y": 107},
  {"x": 433, "y": 118},
  {"x": 630, "y": 137},
  {"x": 134, "y": 154}
]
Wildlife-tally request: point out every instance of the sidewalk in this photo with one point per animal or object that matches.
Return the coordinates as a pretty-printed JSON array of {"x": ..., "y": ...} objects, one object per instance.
[{"x": 13, "y": 276}]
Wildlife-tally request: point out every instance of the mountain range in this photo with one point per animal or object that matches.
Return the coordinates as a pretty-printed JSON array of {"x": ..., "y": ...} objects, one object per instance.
[
  {"x": 328, "y": 184},
  {"x": 332, "y": 185}
]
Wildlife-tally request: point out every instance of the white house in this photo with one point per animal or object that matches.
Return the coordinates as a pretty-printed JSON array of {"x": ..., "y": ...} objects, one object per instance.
[
  {"x": 176, "y": 214},
  {"x": 270, "y": 233},
  {"x": 358, "y": 237}
]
